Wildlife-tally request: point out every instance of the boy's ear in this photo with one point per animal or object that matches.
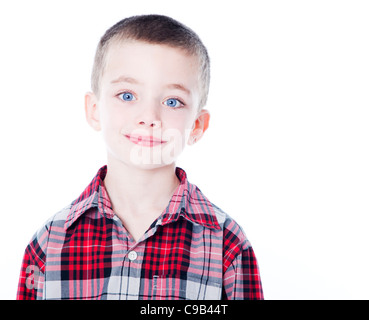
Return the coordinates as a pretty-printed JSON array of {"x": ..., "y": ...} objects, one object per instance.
[
  {"x": 200, "y": 125},
  {"x": 92, "y": 114}
]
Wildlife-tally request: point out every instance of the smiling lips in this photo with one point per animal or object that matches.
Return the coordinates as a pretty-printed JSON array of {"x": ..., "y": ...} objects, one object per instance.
[{"x": 145, "y": 141}]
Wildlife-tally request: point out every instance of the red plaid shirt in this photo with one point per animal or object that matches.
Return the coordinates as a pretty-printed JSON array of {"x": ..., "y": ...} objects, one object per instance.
[{"x": 192, "y": 251}]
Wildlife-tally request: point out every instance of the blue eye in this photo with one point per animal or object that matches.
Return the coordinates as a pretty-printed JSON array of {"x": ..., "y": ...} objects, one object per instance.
[
  {"x": 173, "y": 103},
  {"x": 127, "y": 96}
]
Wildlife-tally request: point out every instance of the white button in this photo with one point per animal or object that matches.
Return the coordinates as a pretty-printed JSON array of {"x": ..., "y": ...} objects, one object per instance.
[{"x": 132, "y": 255}]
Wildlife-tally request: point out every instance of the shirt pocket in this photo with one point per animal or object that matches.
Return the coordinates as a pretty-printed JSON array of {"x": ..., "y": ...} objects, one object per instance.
[{"x": 169, "y": 287}]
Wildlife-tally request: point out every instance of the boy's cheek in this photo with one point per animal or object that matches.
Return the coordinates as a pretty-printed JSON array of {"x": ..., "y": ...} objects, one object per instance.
[{"x": 111, "y": 120}]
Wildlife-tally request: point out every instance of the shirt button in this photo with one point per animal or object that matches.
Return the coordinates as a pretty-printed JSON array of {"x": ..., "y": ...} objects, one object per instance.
[{"x": 132, "y": 255}]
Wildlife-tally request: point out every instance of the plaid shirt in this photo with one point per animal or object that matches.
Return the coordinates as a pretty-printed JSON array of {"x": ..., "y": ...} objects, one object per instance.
[{"x": 192, "y": 251}]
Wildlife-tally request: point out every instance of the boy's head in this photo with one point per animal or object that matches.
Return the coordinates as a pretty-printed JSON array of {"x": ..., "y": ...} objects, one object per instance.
[
  {"x": 153, "y": 29},
  {"x": 150, "y": 83}
]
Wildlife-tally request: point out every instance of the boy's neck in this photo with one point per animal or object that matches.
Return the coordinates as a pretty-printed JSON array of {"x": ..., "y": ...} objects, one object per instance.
[{"x": 140, "y": 192}]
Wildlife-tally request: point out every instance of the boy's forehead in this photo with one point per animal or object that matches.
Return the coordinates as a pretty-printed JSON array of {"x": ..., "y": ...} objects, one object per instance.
[{"x": 136, "y": 54}]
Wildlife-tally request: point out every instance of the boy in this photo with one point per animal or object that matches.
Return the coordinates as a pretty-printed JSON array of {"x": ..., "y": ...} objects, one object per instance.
[{"x": 140, "y": 230}]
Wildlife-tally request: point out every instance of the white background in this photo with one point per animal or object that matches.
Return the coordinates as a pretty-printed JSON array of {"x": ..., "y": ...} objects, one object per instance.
[{"x": 286, "y": 155}]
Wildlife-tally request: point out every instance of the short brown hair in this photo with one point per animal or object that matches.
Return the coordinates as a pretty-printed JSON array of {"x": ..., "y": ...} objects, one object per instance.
[{"x": 155, "y": 29}]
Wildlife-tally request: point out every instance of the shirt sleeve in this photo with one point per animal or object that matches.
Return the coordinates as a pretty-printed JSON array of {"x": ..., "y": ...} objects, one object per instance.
[
  {"x": 31, "y": 279},
  {"x": 241, "y": 279},
  {"x": 241, "y": 276}
]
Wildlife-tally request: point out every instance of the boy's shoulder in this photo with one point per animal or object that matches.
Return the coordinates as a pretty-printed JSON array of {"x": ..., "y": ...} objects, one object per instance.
[
  {"x": 224, "y": 220},
  {"x": 59, "y": 218},
  {"x": 231, "y": 228}
]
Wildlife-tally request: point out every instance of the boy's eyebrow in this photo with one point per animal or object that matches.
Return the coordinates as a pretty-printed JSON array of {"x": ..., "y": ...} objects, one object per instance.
[
  {"x": 179, "y": 86},
  {"x": 125, "y": 79}
]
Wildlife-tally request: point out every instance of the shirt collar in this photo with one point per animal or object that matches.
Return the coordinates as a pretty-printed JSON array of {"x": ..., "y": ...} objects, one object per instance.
[
  {"x": 93, "y": 196},
  {"x": 187, "y": 201}
]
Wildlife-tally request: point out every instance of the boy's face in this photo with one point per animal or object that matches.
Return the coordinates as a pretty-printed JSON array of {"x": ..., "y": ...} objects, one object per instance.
[{"x": 147, "y": 107}]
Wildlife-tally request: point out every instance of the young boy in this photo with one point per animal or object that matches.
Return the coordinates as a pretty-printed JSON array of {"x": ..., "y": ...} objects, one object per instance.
[{"x": 140, "y": 230}]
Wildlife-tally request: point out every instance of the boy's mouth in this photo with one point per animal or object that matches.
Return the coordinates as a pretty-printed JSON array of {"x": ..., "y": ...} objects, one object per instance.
[{"x": 145, "y": 141}]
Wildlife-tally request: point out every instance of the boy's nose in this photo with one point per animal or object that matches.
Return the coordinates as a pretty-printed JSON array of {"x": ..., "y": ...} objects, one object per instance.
[
  {"x": 149, "y": 115},
  {"x": 153, "y": 124}
]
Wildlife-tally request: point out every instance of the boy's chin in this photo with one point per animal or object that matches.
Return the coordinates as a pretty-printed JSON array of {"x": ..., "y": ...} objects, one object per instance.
[
  {"x": 145, "y": 158},
  {"x": 150, "y": 159}
]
